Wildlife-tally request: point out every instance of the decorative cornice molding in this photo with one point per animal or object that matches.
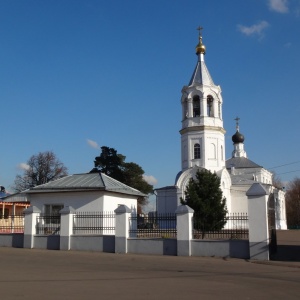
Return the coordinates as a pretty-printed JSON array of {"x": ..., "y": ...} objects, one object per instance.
[{"x": 202, "y": 128}]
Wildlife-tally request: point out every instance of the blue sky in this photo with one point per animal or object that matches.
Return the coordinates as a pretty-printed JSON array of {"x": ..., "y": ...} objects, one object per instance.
[{"x": 77, "y": 75}]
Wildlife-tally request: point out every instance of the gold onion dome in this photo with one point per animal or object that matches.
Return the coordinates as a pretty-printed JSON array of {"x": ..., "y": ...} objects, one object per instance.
[{"x": 200, "y": 48}]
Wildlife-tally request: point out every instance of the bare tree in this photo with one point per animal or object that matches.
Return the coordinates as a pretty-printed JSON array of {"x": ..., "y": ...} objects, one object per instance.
[
  {"x": 276, "y": 181},
  {"x": 293, "y": 203},
  {"x": 40, "y": 168}
]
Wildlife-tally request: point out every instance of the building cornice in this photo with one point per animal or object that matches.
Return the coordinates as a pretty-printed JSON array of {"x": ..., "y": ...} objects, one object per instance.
[{"x": 202, "y": 128}]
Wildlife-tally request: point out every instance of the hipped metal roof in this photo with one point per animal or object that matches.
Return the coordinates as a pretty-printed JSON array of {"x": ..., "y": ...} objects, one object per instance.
[
  {"x": 241, "y": 163},
  {"x": 15, "y": 198},
  {"x": 84, "y": 182},
  {"x": 201, "y": 75}
]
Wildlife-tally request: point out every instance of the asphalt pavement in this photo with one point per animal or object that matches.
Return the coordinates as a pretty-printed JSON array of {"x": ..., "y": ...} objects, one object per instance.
[{"x": 48, "y": 274}]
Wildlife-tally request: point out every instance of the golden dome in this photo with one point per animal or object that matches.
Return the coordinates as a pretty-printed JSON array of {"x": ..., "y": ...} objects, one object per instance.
[{"x": 200, "y": 48}]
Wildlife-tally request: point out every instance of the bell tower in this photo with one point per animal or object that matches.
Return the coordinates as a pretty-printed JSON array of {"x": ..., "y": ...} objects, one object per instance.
[{"x": 202, "y": 132}]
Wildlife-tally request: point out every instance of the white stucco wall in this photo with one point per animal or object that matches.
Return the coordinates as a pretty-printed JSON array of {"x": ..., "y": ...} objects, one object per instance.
[
  {"x": 83, "y": 201},
  {"x": 111, "y": 202},
  {"x": 225, "y": 184},
  {"x": 239, "y": 200},
  {"x": 257, "y": 174},
  {"x": 167, "y": 200},
  {"x": 280, "y": 211}
]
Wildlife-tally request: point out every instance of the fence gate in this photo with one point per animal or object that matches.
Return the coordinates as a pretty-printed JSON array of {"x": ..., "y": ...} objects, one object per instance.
[{"x": 272, "y": 226}]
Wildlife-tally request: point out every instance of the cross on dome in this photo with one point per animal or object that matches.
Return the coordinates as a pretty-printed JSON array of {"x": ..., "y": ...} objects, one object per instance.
[
  {"x": 237, "y": 123},
  {"x": 200, "y": 48},
  {"x": 199, "y": 29}
]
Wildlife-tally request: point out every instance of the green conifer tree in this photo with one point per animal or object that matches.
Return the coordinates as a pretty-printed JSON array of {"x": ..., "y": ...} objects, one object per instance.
[
  {"x": 204, "y": 195},
  {"x": 113, "y": 164}
]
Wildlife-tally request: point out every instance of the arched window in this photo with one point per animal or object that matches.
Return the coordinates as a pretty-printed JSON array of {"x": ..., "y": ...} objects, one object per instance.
[
  {"x": 197, "y": 151},
  {"x": 219, "y": 109},
  {"x": 210, "y": 107},
  {"x": 196, "y": 106}
]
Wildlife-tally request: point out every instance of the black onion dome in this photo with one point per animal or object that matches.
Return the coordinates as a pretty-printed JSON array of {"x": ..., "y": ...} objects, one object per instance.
[{"x": 238, "y": 138}]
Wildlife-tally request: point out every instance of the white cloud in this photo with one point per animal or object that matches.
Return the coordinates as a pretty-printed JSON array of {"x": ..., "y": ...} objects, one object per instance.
[
  {"x": 23, "y": 166},
  {"x": 280, "y": 6},
  {"x": 150, "y": 179},
  {"x": 93, "y": 144},
  {"x": 256, "y": 29}
]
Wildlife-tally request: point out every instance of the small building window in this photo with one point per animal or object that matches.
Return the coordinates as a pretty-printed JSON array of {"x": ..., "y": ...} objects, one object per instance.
[
  {"x": 210, "y": 107},
  {"x": 196, "y": 106},
  {"x": 197, "y": 151},
  {"x": 52, "y": 215},
  {"x": 53, "y": 209}
]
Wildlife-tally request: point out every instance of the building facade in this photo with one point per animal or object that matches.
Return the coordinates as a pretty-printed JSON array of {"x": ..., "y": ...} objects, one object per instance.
[{"x": 203, "y": 147}]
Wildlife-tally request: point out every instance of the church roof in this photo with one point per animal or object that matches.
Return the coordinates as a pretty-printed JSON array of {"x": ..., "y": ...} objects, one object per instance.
[
  {"x": 238, "y": 138},
  {"x": 201, "y": 74},
  {"x": 257, "y": 189},
  {"x": 240, "y": 163},
  {"x": 88, "y": 181},
  {"x": 169, "y": 187}
]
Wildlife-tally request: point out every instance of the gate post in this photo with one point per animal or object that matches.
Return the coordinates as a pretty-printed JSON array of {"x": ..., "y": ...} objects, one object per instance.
[
  {"x": 184, "y": 216},
  {"x": 258, "y": 222},
  {"x": 122, "y": 228},
  {"x": 30, "y": 222},
  {"x": 66, "y": 227}
]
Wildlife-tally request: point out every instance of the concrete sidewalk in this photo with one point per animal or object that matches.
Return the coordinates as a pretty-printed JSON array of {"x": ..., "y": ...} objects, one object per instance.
[{"x": 44, "y": 274}]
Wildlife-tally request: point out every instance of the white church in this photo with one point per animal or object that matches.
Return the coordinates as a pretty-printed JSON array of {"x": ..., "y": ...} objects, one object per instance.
[{"x": 203, "y": 147}]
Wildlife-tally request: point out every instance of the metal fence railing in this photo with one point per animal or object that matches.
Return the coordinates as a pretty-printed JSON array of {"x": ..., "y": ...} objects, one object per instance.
[
  {"x": 12, "y": 224},
  {"x": 48, "y": 224},
  {"x": 234, "y": 226},
  {"x": 102, "y": 223},
  {"x": 153, "y": 226}
]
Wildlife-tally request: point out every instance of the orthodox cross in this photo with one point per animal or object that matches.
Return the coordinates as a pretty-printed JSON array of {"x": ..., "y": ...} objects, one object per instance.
[
  {"x": 237, "y": 123},
  {"x": 199, "y": 29}
]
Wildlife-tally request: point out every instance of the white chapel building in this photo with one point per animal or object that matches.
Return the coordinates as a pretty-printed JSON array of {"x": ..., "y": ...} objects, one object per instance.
[{"x": 203, "y": 147}]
